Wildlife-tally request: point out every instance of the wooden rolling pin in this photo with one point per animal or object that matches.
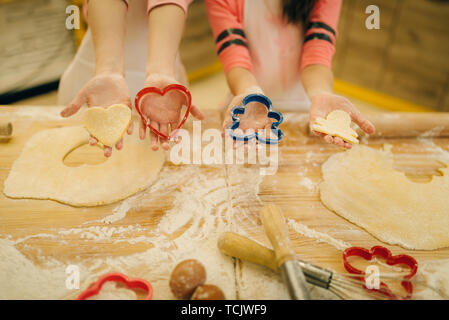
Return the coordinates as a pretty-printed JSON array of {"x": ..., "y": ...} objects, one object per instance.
[
  {"x": 5, "y": 131},
  {"x": 243, "y": 248},
  {"x": 277, "y": 231},
  {"x": 408, "y": 124}
]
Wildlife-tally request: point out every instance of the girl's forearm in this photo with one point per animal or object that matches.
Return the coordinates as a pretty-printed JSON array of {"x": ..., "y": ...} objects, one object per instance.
[
  {"x": 165, "y": 29},
  {"x": 107, "y": 21},
  {"x": 317, "y": 79},
  {"x": 241, "y": 80}
]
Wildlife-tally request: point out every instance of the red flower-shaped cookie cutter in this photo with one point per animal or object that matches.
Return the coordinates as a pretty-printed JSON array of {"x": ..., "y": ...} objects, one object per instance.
[
  {"x": 117, "y": 277},
  {"x": 390, "y": 259},
  {"x": 171, "y": 87}
]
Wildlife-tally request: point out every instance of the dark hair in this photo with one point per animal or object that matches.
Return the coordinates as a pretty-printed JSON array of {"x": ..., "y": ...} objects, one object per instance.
[{"x": 296, "y": 11}]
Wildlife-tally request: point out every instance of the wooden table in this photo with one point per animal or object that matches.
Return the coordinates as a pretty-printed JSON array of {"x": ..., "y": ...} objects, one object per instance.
[{"x": 301, "y": 157}]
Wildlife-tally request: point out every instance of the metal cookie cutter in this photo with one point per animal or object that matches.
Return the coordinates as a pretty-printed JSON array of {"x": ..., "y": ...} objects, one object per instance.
[{"x": 276, "y": 115}]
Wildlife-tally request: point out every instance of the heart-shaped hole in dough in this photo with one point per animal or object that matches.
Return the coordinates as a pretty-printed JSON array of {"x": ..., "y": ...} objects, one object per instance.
[{"x": 84, "y": 154}]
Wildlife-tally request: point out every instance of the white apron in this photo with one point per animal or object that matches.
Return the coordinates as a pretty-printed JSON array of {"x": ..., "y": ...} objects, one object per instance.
[
  {"x": 275, "y": 49},
  {"x": 82, "y": 67}
]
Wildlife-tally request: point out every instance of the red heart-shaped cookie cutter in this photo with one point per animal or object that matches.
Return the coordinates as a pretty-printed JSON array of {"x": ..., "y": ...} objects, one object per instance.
[
  {"x": 391, "y": 260},
  {"x": 117, "y": 277},
  {"x": 171, "y": 87}
]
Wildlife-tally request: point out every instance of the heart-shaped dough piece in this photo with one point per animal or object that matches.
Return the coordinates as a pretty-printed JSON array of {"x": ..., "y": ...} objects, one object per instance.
[
  {"x": 109, "y": 124},
  {"x": 337, "y": 124}
]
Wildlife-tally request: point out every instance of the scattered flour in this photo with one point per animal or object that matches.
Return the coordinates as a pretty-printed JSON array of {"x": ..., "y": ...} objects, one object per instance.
[
  {"x": 204, "y": 206},
  {"x": 307, "y": 183},
  {"x": 435, "y": 275},
  {"x": 119, "y": 212},
  {"x": 33, "y": 236},
  {"x": 319, "y": 236},
  {"x": 37, "y": 113},
  {"x": 163, "y": 185},
  {"x": 110, "y": 291},
  {"x": 426, "y": 140},
  {"x": 201, "y": 211},
  {"x": 20, "y": 278},
  {"x": 97, "y": 233}
]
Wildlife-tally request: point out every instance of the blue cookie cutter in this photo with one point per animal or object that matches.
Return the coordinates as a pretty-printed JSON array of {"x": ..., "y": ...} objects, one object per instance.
[{"x": 271, "y": 114}]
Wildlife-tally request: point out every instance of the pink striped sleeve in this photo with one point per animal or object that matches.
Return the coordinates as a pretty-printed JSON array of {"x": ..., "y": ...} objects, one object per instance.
[
  {"x": 321, "y": 34},
  {"x": 226, "y": 19},
  {"x": 155, "y": 3}
]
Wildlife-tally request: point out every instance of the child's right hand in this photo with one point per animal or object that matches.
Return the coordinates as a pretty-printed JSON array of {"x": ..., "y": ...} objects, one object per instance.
[
  {"x": 102, "y": 91},
  {"x": 324, "y": 103},
  {"x": 164, "y": 113}
]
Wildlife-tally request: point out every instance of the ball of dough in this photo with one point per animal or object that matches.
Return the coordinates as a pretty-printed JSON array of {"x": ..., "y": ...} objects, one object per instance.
[
  {"x": 208, "y": 292},
  {"x": 186, "y": 276}
]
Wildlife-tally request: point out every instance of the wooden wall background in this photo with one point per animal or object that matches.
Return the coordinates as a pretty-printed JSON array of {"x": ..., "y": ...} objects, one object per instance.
[
  {"x": 198, "y": 44},
  {"x": 407, "y": 58}
]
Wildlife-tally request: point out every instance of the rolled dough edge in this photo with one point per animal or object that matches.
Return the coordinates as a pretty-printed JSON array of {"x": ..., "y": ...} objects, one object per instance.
[
  {"x": 79, "y": 204},
  {"x": 343, "y": 214}
]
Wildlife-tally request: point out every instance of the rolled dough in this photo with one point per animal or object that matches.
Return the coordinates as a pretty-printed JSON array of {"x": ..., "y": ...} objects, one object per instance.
[
  {"x": 337, "y": 124},
  {"x": 362, "y": 186},
  {"x": 109, "y": 124},
  {"x": 40, "y": 173}
]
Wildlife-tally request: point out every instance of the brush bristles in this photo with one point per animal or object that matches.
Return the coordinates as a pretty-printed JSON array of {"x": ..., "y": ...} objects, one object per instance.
[{"x": 350, "y": 287}]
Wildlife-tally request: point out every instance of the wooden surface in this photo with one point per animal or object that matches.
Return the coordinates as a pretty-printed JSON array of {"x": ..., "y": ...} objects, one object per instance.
[
  {"x": 300, "y": 157},
  {"x": 407, "y": 56}
]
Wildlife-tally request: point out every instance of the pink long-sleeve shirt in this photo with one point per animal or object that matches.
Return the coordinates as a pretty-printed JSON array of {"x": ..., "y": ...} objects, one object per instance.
[{"x": 227, "y": 20}]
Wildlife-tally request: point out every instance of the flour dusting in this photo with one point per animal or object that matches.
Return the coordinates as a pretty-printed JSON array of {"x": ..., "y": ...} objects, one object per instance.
[
  {"x": 319, "y": 236},
  {"x": 307, "y": 183},
  {"x": 200, "y": 212}
]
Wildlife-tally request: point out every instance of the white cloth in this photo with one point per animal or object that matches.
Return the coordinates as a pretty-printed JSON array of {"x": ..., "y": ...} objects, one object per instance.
[{"x": 275, "y": 50}]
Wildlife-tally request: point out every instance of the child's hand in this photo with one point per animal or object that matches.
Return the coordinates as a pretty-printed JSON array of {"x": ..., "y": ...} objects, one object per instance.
[
  {"x": 102, "y": 91},
  {"x": 324, "y": 103},
  {"x": 254, "y": 119},
  {"x": 163, "y": 112}
]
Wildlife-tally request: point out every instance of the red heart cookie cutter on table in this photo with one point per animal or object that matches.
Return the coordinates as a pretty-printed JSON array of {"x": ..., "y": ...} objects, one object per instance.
[
  {"x": 171, "y": 87},
  {"x": 117, "y": 277},
  {"x": 390, "y": 259}
]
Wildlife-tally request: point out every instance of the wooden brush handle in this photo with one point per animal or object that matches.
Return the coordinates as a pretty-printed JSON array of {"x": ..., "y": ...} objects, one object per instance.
[
  {"x": 5, "y": 129},
  {"x": 241, "y": 247},
  {"x": 277, "y": 231}
]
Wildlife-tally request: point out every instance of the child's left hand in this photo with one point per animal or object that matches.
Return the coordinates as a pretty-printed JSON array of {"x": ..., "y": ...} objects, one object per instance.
[
  {"x": 254, "y": 119},
  {"x": 324, "y": 103},
  {"x": 255, "y": 116}
]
